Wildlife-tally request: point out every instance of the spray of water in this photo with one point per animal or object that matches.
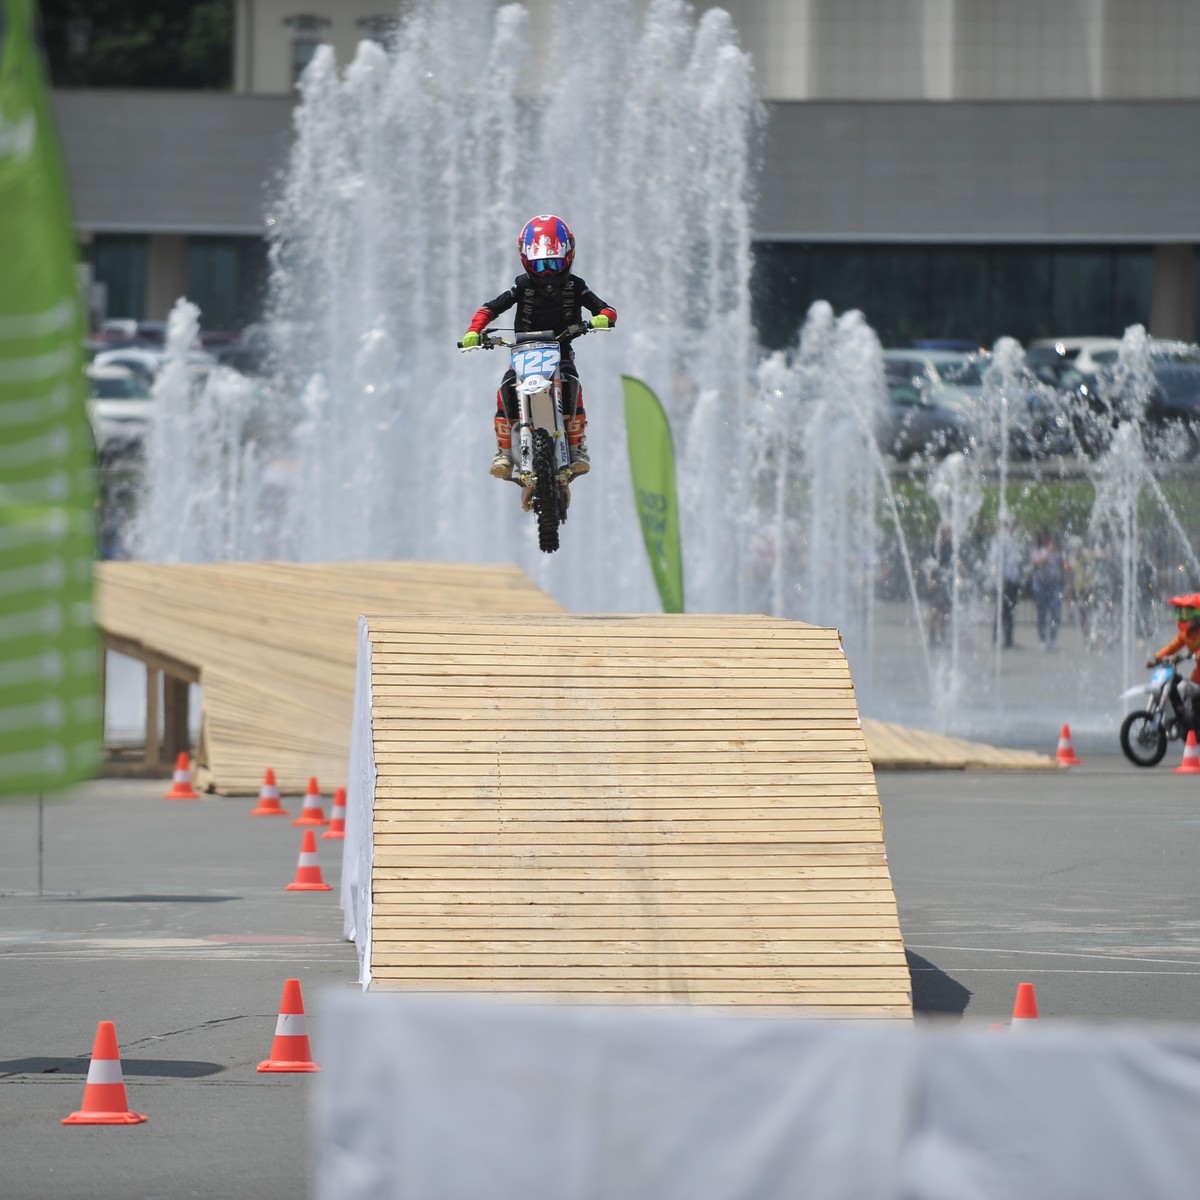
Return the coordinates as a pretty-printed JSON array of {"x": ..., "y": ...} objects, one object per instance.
[
  {"x": 411, "y": 174},
  {"x": 412, "y": 171}
]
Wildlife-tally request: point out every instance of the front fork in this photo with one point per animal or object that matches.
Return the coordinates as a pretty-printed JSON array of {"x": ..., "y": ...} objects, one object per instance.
[{"x": 542, "y": 410}]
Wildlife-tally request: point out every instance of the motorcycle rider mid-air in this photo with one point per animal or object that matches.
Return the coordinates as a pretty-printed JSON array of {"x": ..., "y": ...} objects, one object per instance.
[
  {"x": 546, "y": 297},
  {"x": 1187, "y": 621}
]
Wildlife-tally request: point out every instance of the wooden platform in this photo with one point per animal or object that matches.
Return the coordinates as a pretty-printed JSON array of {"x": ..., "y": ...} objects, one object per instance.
[
  {"x": 273, "y": 645},
  {"x": 900, "y": 747},
  {"x": 654, "y": 809}
]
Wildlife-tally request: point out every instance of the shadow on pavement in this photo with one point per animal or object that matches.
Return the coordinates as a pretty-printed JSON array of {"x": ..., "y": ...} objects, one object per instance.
[
  {"x": 149, "y": 899},
  {"x": 166, "y": 1068},
  {"x": 933, "y": 991}
]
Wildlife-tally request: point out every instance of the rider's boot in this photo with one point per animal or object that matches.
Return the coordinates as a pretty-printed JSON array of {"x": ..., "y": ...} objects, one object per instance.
[
  {"x": 577, "y": 445},
  {"x": 502, "y": 464}
]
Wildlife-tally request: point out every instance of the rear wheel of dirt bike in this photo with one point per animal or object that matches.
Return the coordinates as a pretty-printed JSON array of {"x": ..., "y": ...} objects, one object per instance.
[
  {"x": 1143, "y": 745},
  {"x": 545, "y": 492}
]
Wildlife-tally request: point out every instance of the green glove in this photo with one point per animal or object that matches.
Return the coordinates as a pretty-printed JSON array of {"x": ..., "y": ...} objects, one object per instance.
[
  {"x": 471, "y": 338},
  {"x": 600, "y": 322}
]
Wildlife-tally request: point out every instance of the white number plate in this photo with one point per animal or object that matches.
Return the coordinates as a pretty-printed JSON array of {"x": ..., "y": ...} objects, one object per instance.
[{"x": 536, "y": 360}]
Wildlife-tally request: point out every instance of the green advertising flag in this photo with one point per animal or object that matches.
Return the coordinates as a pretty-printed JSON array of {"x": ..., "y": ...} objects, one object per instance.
[
  {"x": 652, "y": 464},
  {"x": 49, "y": 678}
]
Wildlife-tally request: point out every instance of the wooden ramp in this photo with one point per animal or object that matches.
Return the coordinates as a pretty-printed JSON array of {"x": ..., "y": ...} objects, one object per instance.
[
  {"x": 646, "y": 808},
  {"x": 900, "y": 748},
  {"x": 274, "y": 646}
]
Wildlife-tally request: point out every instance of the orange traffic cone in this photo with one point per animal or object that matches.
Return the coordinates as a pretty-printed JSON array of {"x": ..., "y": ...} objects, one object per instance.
[
  {"x": 337, "y": 825},
  {"x": 104, "y": 1101},
  {"x": 312, "y": 813},
  {"x": 1066, "y": 752},
  {"x": 290, "y": 1050},
  {"x": 1025, "y": 1008},
  {"x": 181, "y": 781},
  {"x": 268, "y": 798},
  {"x": 1191, "y": 758},
  {"x": 308, "y": 871}
]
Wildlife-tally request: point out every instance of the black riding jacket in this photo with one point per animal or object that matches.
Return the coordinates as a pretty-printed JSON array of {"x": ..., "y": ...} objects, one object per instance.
[{"x": 546, "y": 304}]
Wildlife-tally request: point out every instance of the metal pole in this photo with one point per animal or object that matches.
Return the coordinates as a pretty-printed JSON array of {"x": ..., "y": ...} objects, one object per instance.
[{"x": 39, "y": 867}]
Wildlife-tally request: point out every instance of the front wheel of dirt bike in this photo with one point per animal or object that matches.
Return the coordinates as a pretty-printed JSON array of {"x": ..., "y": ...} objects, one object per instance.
[
  {"x": 1143, "y": 743},
  {"x": 545, "y": 491}
]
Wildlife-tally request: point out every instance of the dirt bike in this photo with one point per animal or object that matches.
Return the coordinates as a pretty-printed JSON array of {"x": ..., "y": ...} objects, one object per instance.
[
  {"x": 1173, "y": 712},
  {"x": 541, "y": 459}
]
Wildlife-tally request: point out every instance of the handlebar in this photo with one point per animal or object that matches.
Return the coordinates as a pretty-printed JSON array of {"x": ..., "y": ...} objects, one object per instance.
[
  {"x": 490, "y": 339},
  {"x": 1172, "y": 660}
]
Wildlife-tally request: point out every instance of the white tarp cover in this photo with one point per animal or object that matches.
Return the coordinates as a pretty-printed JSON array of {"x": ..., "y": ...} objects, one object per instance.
[
  {"x": 358, "y": 845},
  {"x": 458, "y": 1099}
]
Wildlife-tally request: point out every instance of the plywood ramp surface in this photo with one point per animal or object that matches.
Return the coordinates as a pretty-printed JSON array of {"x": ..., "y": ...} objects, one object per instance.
[
  {"x": 900, "y": 747},
  {"x": 648, "y": 808},
  {"x": 275, "y": 645}
]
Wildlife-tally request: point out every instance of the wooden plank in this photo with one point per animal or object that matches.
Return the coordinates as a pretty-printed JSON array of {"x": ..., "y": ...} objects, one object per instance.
[{"x": 866, "y": 882}]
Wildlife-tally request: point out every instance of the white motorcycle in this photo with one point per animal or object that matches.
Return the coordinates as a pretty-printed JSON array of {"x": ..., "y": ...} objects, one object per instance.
[
  {"x": 541, "y": 459},
  {"x": 1173, "y": 711}
]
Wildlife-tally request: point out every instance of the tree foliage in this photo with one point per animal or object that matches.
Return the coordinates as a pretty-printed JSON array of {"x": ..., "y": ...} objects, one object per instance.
[{"x": 139, "y": 43}]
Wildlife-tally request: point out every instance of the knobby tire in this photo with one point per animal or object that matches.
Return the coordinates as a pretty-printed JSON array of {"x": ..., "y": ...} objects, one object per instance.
[
  {"x": 545, "y": 492},
  {"x": 1141, "y": 750}
]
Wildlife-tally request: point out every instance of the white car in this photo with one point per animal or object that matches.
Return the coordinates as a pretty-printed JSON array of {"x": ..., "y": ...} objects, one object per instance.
[
  {"x": 146, "y": 363},
  {"x": 1091, "y": 355},
  {"x": 950, "y": 376},
  {"x": 1087, "y": 355},
  {"x": 120, "y": 408}
]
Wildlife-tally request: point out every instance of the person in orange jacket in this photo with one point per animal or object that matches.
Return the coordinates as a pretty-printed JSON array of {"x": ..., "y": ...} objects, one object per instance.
[{"x": 1187, "y": 621}]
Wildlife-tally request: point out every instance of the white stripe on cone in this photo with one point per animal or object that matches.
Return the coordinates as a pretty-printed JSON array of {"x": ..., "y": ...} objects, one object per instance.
[
  {"x": 105, "y": 1070},
  {"x": 291, "y": 1025},
  {"x": 308, "y": 859},
  {"x": 269, "y": 792},
  {"x": 181, "y": 777}
]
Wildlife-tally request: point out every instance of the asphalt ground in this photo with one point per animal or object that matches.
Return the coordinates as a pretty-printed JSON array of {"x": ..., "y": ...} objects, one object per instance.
[
  {"x": 1082, "y": 882},
  {"x": 170, "y": 918}
]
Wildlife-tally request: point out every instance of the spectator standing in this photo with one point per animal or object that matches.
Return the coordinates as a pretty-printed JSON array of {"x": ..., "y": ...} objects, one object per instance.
[
  {"x": 1048, "y": 569},
  {"x": 1006, "y": 562}
]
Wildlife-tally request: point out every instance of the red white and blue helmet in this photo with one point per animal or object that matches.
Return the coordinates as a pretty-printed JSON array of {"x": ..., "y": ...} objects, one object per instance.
[{"x": 546, "y": 246}]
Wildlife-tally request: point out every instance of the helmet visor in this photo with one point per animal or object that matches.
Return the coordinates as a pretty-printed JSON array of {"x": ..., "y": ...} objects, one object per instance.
[{"x": 548, "y": 266}]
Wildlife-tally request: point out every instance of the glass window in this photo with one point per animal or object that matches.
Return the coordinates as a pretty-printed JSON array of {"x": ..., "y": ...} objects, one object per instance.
[
  {"x": 379, "y": 29},
  {"x": 1020, "y": 293},
  {"x": 965, "y": 294},
  {"x": 226, "y": 278},
  {"x": 958, "y": 292},
  {"x": 307, "y": 35},
  {"x": 838, "y": 274},
  {"x": 1133, "y": 285},
  {"x": 119, "y": 262},
  {"x": 780, "y": 293},
  {"x": 1082, "y": 290},
  {"x": 897, "y": 304},
  {"x": 962, "y": 371}
]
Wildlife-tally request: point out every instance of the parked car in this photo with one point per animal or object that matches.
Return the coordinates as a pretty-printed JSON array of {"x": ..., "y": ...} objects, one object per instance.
[
  {"x": 146, "y": 363},
  {"x": 946, "y": 374},
  {"x": 1087, "y": 355},
  {"x": 125, "y": 331},
  {"x": 921, "y": 419},
  {"x": 120, "y": 409},
  {"x": 1083, "y": 369},
  {"x": 1173, "y": 408}
]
